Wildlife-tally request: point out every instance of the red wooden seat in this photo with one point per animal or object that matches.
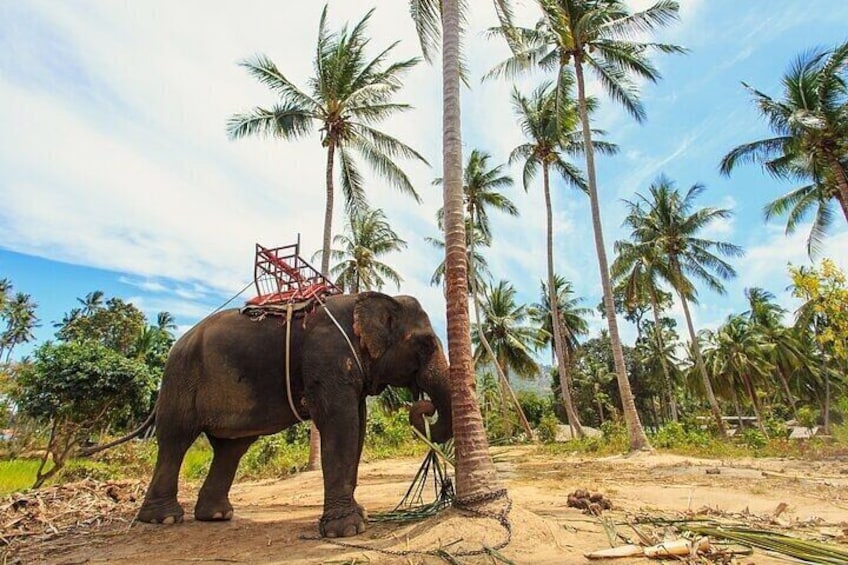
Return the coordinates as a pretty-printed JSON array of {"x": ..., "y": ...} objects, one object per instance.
[{"x": 283, "y": 277}]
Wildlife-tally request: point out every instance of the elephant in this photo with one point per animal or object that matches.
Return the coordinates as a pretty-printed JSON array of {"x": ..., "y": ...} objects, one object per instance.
[{"x": 226, "y": 378}]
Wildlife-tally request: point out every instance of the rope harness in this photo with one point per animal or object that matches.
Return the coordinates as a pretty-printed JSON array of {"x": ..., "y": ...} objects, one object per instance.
[{"x": 259, "y": 313}]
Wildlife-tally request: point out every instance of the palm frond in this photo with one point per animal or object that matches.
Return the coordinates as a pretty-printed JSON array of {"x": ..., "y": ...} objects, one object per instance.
[
  {"x": 618, "y": 86},
  {"x": 352, "y": 187},
  {"x": 384, "y": 166},
  {"x": 287, "y": 122}
]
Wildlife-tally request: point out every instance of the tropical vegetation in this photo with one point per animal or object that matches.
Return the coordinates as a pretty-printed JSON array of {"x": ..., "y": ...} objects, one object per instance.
[
  {"x": 779, "y": 364},
  {"x": 599, "y": 36}
]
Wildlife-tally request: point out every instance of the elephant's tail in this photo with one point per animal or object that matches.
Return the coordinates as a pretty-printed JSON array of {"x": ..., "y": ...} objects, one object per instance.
[{"x": 86, "y": 451}]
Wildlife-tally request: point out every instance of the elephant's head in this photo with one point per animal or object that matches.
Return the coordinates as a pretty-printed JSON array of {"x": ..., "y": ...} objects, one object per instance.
[{"x": 403, "y": 350}]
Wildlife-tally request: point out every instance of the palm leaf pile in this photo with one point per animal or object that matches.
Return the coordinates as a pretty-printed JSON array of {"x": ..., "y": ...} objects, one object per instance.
[
  {"x": 433, "y": 471},
  {"x": 798, "y": 549},
  {"x": 805, "y": 551}
]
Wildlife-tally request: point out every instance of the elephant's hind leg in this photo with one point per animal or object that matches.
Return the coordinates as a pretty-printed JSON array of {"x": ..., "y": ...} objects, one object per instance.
[
  {"x": 160, "y": 503},
  {"x": 213, "y": 502}
]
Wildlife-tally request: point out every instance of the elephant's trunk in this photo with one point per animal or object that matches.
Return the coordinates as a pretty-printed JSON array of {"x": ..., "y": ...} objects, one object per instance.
[{"x": 434, "y": 381}]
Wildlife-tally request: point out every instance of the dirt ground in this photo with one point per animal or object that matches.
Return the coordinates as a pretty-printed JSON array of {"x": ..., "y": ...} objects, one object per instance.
[{"x": 272, "y": 518}]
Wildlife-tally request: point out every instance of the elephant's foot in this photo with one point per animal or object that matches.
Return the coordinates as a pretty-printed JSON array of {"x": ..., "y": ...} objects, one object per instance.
[
  {"x": 169, "y": 512},
  {"x": 343, "y": 523},
  {"x": 213, "y": 510}
]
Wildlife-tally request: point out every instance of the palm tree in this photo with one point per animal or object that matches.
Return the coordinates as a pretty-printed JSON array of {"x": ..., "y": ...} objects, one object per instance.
[
  {"x": 5, "y": 288},
  {"x": 658, "y": 359},
  {"x": 369, "y": 237},
  {"x": 739, "y": 354},
  {"x": 92, "y": 302},
  {"x": 21, "y": 320},
  {"x": 638, "y": 268},
  {"x": 810, "y": 123},
  {"x": 821, "y": 317},
  {"x": 666, "y": 225},
  {"x": 166, "y": 323},
  {"x": 480, "y": 192},
  {"x": 506, "y": 340},
  {"x": 347, "y": 96},
  {"x": 787, "y": 350},
  {"x": 572, "y": 324},
  {"x": 598, "y": 35},
  {"x": 477, "y": 264},
  {"x": 550, "y": 128},
  {"x": 476, "y": 478}
]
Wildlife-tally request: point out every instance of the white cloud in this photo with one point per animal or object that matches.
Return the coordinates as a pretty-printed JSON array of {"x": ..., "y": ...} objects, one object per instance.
[
  {"x": 766, "y": 262},
  {"x": 117, "y": 157}
]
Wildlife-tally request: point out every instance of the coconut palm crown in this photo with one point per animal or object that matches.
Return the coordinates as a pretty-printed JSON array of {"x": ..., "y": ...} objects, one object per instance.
[
  {"x": 348, "y": 94},
  {"x": 810, "y": 142},
  {"x": 368, "y": 237}
]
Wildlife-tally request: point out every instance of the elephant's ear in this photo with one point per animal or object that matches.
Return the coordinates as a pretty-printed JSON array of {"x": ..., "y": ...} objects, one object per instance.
[{"x": 374, "y": 317}]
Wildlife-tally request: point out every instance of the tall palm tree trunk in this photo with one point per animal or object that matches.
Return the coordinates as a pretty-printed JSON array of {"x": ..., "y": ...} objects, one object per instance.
[
  {"x": 826, "y": 410},
  {"x": 737, "y": 407},
  {"x": 328, "y": 212},
  {"x": 600, "y": 406},
  {"x": 699, "y": 360},
  {"x": 314, "y": 436},
  {"x": 672, "y": 401},
  {"x": 569, "y": 381},
  {"x": 475, "y": 471},
  {"x": 841, "y": 183},
  {"x": 790, "y": 398},
  {"x": 506, "y": 389},
  {"x": 553, "y": 299},
  {"x": 755, "y": 402},
  {"x": 638, "y": 439}
]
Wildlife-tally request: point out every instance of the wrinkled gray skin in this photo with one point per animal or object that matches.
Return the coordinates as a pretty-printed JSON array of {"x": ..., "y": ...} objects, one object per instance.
[{"x": 226, "y": 378}]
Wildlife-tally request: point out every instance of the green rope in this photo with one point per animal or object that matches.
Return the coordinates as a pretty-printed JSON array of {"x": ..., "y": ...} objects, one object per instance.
[{"x": 412, "y": 507}]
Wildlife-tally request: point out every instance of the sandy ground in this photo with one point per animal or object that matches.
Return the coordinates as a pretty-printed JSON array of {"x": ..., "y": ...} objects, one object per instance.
[{"x": 273, "y": 517}]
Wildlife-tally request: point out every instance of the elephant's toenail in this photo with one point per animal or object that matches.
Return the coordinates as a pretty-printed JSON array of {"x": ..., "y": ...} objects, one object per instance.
[
  {"x": 217, "y": 516},
  {"x": 169, "y": 520},
  {"x": 349, "y": 531},
  {"x": 360, "y": 528},
  {"x": 228, "y": 515},
  {"x": 331, "y": 534}
]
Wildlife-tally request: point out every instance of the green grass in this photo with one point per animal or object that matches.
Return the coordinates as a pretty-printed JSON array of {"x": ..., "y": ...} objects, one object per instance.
[
  {"x": 17, "y": 475},
  {"x": 675, "y": 438}
]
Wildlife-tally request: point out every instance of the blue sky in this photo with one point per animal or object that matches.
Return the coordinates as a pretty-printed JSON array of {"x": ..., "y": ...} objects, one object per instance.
[{"x": 116, "y": 173}]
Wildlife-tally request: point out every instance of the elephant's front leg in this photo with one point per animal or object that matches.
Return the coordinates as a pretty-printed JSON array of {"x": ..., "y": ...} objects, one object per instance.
[{"x": 342, "y": 433}]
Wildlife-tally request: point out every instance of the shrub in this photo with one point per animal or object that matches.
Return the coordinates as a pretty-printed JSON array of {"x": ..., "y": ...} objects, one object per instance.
[
  {"x": 78, "y": 388},
  {"x": 753, "y": 438},
  {"x": 79, "y": 469},
  {"x": 274, "y": 456},
  {"x": 197, "y": 460},
  {"x": 535, "y": 406},
  {"x": 675, "y": 435},
  {"x": 775, "y": 426},
  {"x": 547, "y": 428},
  {"x": 807, "y": 416},
  {"x": 389, "y": 434}
]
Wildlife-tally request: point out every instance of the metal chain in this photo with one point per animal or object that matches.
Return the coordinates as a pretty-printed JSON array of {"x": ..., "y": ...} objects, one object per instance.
[
  {"x": 467, "y": 504},
  {"x": 464, "y": 505}
]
